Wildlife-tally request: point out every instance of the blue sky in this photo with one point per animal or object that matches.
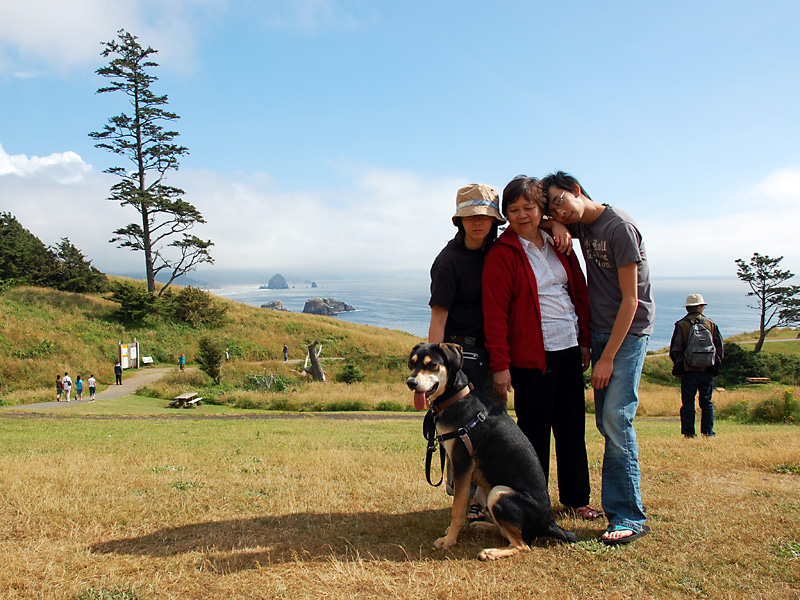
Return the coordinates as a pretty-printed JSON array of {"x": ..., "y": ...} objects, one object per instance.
[{"x": 329, "y": 138}]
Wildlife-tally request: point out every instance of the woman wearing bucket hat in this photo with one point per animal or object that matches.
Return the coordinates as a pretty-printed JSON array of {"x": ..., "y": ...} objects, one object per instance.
[
  {"x": 456, "y": 308},
  {"x": 536, "y": 311}
]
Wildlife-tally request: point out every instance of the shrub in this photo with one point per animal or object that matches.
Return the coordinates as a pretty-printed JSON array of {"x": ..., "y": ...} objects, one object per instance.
[
  {"x": 391, "y": 406},
  {"x": 784, "y": 368},
  {"x": 135, "y": 302},
  {"x": 350, "y": 373},
  {"x": 210, "y": 355},
  {"x": 196, "y": 307},
  {"x": 738, "y": 411},
  {"x": 739, "y": 364},
  {"x": 42, "y": 349},
  {"x": 783, "y": 408}
]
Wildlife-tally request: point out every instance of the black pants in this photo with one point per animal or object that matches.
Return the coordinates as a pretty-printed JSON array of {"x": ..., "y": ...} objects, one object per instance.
[{"x": 555, "y": 400}]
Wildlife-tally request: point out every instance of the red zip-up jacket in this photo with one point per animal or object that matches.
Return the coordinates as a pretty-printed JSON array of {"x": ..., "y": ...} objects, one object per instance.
[{"x": 511, "y": 318}]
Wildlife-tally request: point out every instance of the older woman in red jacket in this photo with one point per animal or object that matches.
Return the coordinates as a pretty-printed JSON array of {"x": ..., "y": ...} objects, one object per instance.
[{"x": 536, "y": 321}]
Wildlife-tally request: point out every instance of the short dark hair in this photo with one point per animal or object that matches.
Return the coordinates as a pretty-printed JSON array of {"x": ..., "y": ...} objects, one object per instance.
[
  {"x": 563, "y": 181},
  {"x": 528, "y": 187},
  {"x": 490, "y": 237}
]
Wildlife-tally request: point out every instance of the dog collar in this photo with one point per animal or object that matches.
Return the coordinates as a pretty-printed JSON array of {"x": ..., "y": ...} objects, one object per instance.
[{"x": 439, "y": 406}]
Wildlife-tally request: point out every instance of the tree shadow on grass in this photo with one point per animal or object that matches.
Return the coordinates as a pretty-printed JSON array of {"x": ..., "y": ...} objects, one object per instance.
[{"x": 242, "y": 544}]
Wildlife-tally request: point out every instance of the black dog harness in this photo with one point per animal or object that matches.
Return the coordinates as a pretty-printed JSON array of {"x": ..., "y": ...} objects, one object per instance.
[{"x": 433, "y": 439}]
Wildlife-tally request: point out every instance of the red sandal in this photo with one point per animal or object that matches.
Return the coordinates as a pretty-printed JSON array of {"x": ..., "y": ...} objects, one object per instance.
[{"x": 587, "y": 513}]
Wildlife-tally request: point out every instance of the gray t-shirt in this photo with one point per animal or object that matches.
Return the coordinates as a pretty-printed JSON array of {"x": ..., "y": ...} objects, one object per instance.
[{"x": 609, "y": 242}]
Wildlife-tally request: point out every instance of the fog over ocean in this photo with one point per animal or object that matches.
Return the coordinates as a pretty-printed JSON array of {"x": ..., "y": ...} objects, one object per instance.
[{"x": 403, "y": 304}]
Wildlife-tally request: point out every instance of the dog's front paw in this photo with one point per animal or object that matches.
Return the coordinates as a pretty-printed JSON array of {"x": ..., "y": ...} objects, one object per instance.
[
  {"x": 487, "y": 554},
  {"x": 444, "y": 543}
]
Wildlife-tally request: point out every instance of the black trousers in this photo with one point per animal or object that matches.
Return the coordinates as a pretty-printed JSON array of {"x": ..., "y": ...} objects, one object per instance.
[{"x": 555, "y": 400}]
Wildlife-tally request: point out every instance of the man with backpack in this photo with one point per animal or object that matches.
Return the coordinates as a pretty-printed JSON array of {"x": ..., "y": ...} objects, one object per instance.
[{"x": 696, "y": 351}]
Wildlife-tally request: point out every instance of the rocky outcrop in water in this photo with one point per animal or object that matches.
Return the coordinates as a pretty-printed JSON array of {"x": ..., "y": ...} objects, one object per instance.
[
  {"x": 325, "y": 306},
  {"x": 275, "y": 305},
  {"x": 278, "y": 282}
]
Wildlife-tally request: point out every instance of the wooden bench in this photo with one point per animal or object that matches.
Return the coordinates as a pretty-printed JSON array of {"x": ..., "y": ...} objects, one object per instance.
[
  {"x": 758, "y": 380},
  {"x": 147, "y": 360},
  {"x": 184, "y": 399},
  {"x": 194, "y": 403}
]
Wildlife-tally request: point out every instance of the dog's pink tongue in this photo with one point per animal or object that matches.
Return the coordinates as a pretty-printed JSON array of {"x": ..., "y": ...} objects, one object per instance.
[{"x": 419, "y": 400}]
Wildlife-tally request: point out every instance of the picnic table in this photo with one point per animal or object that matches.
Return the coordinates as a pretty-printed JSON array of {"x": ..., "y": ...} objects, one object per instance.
[
  {"x": 758, "y": 380},
  {"x": 186, "y": 400}
]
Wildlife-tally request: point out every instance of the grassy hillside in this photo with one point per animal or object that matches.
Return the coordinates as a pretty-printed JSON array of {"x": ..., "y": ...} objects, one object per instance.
[{"x": 44, "y": 332}]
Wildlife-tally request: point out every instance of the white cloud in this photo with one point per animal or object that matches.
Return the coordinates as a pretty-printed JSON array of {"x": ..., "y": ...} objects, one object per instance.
[
  {"x": 62, "y": 167},
  {"x": 60, "y": 196},
  {"x": 706, "y": 241},
  {"x": 389, "y": 222},
  {"x": 782, "y": 185},
  {"x": 385, "y": 222},
  {"x": 38, "y": 36},
  {"x": 378, "y": 222}
]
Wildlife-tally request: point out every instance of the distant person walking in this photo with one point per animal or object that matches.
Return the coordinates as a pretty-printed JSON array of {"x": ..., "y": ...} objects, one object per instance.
[
  {"x": 696, "y": 351},
  {"x": 66, "y": 383},
  {"x": 227, "y": 355},
  {"x": 78, "y": 388},
  {"x": 182, "y": 362},
  {"x": 59, "y": 388},
  {"x": 285, "y": 352},
  {"x": 118, "y": 373},
  {"x": 92, "y": 386}
]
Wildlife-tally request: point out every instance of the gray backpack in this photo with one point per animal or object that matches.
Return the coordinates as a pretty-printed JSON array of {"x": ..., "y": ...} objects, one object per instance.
[{"x": 700, "y": 351}]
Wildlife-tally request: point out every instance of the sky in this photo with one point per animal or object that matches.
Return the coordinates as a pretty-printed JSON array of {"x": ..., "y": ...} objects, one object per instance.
[{"x": 328, "y": 138}]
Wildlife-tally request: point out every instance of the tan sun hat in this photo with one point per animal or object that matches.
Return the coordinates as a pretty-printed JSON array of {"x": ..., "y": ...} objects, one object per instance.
[
  {"x": 478, "y": 199},
  {"x": 695, "y": 300}
]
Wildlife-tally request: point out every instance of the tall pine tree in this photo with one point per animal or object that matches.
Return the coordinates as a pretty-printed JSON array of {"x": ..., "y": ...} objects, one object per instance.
[{"x": 152, "y": 152}]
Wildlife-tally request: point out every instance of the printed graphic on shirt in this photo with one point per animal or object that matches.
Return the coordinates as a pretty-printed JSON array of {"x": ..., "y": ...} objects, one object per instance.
[{"x": 597, "y": 251}]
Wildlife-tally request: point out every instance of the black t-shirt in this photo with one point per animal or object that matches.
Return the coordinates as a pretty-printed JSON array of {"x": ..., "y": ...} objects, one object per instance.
[{"x": 456, "y": 286}]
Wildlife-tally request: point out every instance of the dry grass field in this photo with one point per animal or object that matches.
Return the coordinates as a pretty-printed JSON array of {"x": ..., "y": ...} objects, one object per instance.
[{"x": 102, "y": 507}]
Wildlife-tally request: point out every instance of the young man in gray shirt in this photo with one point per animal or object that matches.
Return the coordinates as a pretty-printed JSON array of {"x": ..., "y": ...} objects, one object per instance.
[{"x": 622, "y": 314}]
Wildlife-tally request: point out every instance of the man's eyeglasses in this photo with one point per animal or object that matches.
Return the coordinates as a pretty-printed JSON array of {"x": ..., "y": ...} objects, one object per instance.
[{"x": 556, "y": 203}]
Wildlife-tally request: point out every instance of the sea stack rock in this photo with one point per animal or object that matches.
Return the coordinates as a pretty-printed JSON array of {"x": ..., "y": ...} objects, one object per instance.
[
  {"x": 275, "y": 305},
  {"x": 325, "y": 306},
  {"x": 313, "y": 284},
  {"x": 278, "y": 282}
]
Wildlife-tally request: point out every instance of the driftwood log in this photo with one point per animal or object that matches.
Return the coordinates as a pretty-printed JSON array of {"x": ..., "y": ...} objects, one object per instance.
[{"x": 316, "y": 367}]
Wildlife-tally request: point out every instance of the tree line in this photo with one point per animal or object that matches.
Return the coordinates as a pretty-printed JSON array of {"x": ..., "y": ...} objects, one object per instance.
[{"x": 26, "y": 260}]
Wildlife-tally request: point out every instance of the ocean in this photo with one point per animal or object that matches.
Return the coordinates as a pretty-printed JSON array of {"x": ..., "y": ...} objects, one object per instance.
[{"x": 403, "y": 303}]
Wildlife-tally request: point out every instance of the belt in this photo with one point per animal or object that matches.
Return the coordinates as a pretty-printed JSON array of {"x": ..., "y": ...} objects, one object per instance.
[{"x": 464, "y": 339}]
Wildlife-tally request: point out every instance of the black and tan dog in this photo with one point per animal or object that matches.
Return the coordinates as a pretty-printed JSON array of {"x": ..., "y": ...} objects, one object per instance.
[{"x": 487, "y": 447}]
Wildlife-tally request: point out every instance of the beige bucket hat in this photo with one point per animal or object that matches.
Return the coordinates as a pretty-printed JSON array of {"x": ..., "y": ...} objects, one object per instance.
[
  {"x": 478, "y": 199},
  {"x": 695, "y": 300}
]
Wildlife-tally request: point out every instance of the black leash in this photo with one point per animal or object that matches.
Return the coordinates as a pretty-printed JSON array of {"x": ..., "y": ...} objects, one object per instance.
[{"x": 429, "y": 431}]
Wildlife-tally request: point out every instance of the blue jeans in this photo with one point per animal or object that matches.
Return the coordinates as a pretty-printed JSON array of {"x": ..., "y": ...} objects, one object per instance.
[
  {"x": 701, "y": 384},
  {"x": 615, "y": 409}
]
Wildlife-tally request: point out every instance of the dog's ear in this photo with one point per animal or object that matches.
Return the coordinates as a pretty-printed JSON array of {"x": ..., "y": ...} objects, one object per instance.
[
  {"x": 414, "y": 351},
  {"x": 454, "y": 355}
]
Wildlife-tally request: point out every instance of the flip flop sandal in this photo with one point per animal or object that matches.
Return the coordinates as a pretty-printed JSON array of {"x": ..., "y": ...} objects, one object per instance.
[
  {"x": 475, "y": 514},
  {"x": 627, "y": 539}
]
